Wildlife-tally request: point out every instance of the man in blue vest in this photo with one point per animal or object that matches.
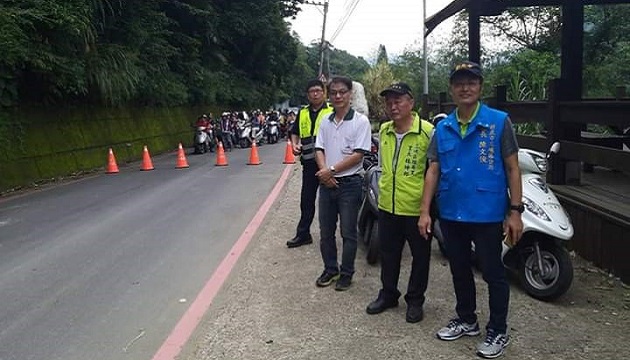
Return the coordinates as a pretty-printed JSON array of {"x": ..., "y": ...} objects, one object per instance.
[
  {"x": 473, "y": 163},
  {"x": 303, "y": 133}
]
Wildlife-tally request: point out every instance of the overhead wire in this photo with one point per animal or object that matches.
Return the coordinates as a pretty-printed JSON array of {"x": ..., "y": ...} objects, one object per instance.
[{"x": 349, "y": 10}]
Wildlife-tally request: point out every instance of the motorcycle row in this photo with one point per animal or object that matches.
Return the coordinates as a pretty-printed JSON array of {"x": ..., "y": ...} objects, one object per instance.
[
  {"x": 240, "y": 129},
  {"x": 539, "y": 260}
]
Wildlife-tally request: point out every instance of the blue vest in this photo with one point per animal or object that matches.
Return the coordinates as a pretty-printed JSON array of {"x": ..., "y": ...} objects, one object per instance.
[{"x": 473, "y": 185}]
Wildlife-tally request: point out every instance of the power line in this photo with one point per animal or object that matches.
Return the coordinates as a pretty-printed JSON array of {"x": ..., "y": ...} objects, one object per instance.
[
  {"x": 345, "y": 19},
  {"x": 349, "y": 10}
]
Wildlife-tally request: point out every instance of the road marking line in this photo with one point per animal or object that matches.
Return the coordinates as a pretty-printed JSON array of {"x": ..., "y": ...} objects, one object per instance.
[{"x": 174, "y": 343}]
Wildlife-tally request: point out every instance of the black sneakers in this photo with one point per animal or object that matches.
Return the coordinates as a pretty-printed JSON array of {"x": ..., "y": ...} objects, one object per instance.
[
  {"x": 344, "y": 283},
  {"x": 326, "y": 278}
]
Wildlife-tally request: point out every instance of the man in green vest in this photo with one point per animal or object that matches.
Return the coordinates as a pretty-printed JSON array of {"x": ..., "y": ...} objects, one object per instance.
[
  {"x": 402, "y": 156},
  {"x": 303, "y": 134}
]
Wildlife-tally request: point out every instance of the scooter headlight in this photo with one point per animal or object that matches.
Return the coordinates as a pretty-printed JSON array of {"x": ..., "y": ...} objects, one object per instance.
[
  {"x": 535, "y": 209},
  {"x": 541, "y": 162},
  {"x": 539, "y": 183}
]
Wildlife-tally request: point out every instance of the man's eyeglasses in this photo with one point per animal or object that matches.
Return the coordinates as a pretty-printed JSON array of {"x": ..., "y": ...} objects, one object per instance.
[
  {"x": 315, "y": 91},
  {"x": 334, "y": 93}
]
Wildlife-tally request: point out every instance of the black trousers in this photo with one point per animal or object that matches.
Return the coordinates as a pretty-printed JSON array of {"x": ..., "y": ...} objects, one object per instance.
[
  {"x": 393, "y": 232},
  {"x": 487, "y": 238},
  {"x": 310, "y": 184}
]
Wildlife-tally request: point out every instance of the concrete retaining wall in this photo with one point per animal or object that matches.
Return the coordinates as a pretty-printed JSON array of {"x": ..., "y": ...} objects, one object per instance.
[{"x": 37, "y": 145}]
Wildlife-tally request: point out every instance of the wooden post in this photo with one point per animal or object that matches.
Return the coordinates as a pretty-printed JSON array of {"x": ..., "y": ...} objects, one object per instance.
[
  {"x": 563, "y": 172},
  {"x": 500, "y": 96},
  {"x": 571, "y": 74},
  {"x": 474, "y": 37},
  {"x": 552, "y": 122},
  {"x": 424, "y": 106},
  {"x": 572, "y": 49},
  {"x": 620, "y": 92}
]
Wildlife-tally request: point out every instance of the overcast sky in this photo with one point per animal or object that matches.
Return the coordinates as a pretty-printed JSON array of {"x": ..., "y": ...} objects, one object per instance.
[{"x": 397, "y": 24}]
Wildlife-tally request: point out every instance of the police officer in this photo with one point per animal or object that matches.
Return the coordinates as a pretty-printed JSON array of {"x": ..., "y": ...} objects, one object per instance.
[{"x": 303, "y": 134}]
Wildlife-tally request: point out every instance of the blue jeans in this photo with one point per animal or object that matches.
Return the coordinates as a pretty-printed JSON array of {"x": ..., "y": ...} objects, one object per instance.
[
  {"x": 487, "y": 238},
  {"x": 342, "y": 202}
]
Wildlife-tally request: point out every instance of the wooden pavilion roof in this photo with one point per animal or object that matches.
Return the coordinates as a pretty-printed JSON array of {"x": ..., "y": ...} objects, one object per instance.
[{"x": 496, "y": 7}]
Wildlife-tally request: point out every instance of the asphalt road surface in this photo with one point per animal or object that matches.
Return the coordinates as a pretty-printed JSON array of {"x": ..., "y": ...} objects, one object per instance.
[{"x": 104, "y": 267}]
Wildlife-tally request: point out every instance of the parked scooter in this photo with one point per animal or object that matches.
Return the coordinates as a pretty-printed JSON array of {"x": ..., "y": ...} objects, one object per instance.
[
  {"x": 367, "y": 221},
  {"x": 541, "y": 262},
  {"x": 245, "y": 139},
  {"x": 203, "y": 141},
  {"x": 371, "y": 158},
  {"x": 273, "y": 131}
]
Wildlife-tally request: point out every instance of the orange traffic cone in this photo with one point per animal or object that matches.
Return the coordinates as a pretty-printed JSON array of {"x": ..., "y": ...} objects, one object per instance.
[
  {"x": 253, "y": 155},
  {"x": 112, "y": 167},
  {"x": 288, "y": 154},
  {"x": 221, "y": 158},
  {"x": 147, "y": 164},
  {"x": 181, "y": 158}
]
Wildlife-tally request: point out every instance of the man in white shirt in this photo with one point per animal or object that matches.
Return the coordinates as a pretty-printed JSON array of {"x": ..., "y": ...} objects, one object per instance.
[{"x": 343, "y": 137}]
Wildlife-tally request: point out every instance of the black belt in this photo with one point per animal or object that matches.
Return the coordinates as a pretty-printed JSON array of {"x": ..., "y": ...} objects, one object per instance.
[{"x": 347, "y": 177}]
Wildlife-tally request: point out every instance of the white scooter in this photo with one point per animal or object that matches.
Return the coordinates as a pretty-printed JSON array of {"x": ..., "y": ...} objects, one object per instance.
[
  {"x": 541, "y": 262},
  {"x": 248, "y": 134},
  {"x": 273, "y": 132},
  {"x": 203, "y": 140}
]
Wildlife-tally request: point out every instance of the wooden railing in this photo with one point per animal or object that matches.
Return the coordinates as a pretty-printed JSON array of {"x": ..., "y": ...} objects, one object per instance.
[{"x": 564, "y": 121}]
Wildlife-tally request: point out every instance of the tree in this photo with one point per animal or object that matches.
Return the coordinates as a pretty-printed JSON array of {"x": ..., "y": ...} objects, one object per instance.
[
  {"x": 145, "y": 52},
  {"x": 606, "y": 49},
  {"x": 382, "y": 54},
  {"x": 343, "y": 63},
  {"x": 526, "y": 73},
  {"x": 291, "y": 8},
  {"x": 536, "y": 28},
  {"x": 374, "y": 81}
]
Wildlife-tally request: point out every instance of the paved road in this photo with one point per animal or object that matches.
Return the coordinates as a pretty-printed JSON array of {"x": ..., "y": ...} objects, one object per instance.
[
  {"x": 104, "y": 267},
  {"x": 270, "y": 308}
]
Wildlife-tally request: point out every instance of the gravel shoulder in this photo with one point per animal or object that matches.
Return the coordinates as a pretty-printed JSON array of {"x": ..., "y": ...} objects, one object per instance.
[{"x": 269, "y": 308}]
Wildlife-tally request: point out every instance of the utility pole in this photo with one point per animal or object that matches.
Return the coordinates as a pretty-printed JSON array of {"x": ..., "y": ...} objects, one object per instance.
[
  {"x": 322, "y": 44},
  {"x": 424, "y": 47}
]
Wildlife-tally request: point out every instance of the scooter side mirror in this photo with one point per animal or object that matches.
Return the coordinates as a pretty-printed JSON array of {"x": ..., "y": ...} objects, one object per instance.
[
  {"x": 555, "y": 148},
  {"x": 437, "y": 118}
]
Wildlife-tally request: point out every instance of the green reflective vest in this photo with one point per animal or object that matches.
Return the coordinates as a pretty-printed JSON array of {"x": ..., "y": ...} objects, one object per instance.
[
  {"x": 403, "y": 167},
  {"x": 308, "y": 139}
]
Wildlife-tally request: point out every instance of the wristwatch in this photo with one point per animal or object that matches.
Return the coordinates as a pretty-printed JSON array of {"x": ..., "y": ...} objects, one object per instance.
[
  {"x": 520, "y": 208},
  {"x": 332, "y": 169}
]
